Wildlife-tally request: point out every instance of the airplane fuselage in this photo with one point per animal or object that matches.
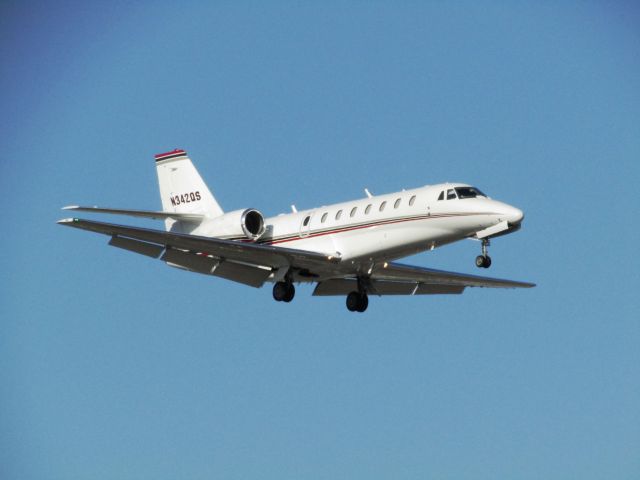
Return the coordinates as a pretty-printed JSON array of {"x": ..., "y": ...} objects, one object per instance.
[{"x": 385, "y": 227}]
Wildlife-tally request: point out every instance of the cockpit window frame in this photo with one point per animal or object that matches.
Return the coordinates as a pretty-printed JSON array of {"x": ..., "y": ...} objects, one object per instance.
[{"x": 468, "y": 192}]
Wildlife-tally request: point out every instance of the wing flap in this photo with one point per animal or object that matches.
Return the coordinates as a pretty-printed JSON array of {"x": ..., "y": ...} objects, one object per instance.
[
  {"x": 430, "y": 289},
  {"x": 246, "y": 274},
  {"x": 236, "y": 272},
  {"x": 190, "y": 261},
  {"x": 149, "y": 249},
  {"x": 343, "y": 286}
]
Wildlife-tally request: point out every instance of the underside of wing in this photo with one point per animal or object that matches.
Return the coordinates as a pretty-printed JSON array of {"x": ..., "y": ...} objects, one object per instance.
[
  {"x": 187, "y": 217},
  {"x": 252, "y": 264},
  {"x": 429, "y": 276},
  {"x": 244, "y": 262},
  {"x": 398, "y": 279},
  {"x": 344, "y": 286}
]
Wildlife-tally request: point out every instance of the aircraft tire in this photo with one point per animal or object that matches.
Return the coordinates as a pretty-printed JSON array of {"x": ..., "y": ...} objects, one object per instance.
[
  {"x": 364, "y": 303},
  {"x": 353, "y": 301},
  {"x": 357, "y": 302},
  {"x": 483, "y": 261},
  {"x": 291, "y": 292},
  {"x": 280, "y": 291}
]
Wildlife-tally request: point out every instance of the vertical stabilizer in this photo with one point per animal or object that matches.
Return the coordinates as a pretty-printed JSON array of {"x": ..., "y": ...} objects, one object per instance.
[{"x": 182, "y": 189}]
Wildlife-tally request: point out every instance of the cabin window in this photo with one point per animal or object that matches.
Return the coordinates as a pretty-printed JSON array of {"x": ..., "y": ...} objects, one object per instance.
[
  {"x": 382, "y": 205},
  {"x": 412, "y": 201},
  {"x": 338, "y": 215},
  {"x": 397, "y": 203},
  {"x": 441, "y": 196},
  {"x": 324, "y": 217},
  {"x": 368, "y": 209},
  {"x": 306, "y": 220},
  {"x": 451, "y": 194},
  {"x": 353, "y": 211}
]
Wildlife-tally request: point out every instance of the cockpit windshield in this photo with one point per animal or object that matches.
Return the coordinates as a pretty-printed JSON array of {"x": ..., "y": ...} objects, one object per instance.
[{"x": 469, "y": 192}]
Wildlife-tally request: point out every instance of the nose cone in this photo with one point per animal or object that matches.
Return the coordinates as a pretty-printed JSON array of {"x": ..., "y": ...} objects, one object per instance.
[{"x": 513, "y": 215}]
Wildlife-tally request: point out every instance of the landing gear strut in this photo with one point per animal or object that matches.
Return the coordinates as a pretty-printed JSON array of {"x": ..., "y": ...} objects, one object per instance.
[
  {"x": 484, "y": 260},
  {"x": 283, "y": 291}
]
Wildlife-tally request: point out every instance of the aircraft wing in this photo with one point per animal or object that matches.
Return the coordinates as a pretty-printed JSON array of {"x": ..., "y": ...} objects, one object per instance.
[
  {"x": 243, "y": 262},
  {"x": 398, "y": 279},
  {"x": 252, "y": 264},
  {"x": 188, "y": 217},
  {"x": 428, "y": 276}
]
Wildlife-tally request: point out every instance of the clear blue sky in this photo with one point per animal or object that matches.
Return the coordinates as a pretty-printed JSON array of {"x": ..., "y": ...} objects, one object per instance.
[{"x": 114, "y": 366}]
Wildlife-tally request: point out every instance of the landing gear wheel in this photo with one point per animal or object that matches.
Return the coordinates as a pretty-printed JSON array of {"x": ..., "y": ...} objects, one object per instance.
[
  {"x": 364, "y": 303},
  {"x": 279, "y": 291},
  {"x": 357, "y": 302},
  {"x": 291, "y": 292},
  {"x": 353, "y": 300},
  {"x": 283, "y": 292},
  {"x": 483, "y": 261}
]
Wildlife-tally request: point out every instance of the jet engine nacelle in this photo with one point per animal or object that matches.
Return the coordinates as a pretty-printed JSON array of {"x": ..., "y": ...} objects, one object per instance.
[{"x": 248, "y": 223}]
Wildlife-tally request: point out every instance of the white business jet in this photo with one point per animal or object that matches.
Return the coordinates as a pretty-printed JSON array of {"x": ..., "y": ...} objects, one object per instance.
[{"x": 346, "y": 248}]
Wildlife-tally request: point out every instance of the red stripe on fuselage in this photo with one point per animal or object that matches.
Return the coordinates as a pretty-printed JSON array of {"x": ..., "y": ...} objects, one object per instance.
[{"x": 367, "y": 225}]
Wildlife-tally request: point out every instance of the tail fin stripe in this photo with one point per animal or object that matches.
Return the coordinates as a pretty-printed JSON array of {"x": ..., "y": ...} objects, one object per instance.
[{"x": 170, "y": 155}]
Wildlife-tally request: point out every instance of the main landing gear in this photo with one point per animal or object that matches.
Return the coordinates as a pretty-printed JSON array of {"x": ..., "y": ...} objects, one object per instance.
[
  {"x": 484, "y": 260},
  {"x": 283, "y": 291},
  {"x": 358, "y": 301}
]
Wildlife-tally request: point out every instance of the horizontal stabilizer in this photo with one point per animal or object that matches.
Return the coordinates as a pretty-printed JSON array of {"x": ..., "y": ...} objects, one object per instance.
[{"x": 187, "y": 217}]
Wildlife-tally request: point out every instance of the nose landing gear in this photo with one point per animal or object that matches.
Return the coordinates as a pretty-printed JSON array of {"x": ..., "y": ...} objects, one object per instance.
[{"x": 484, "y": 260}]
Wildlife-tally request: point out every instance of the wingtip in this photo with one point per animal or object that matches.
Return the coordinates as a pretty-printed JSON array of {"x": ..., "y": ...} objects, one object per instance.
[
  {"x": 71, "y": 207},
  {"x": 65, "y": 221}
]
